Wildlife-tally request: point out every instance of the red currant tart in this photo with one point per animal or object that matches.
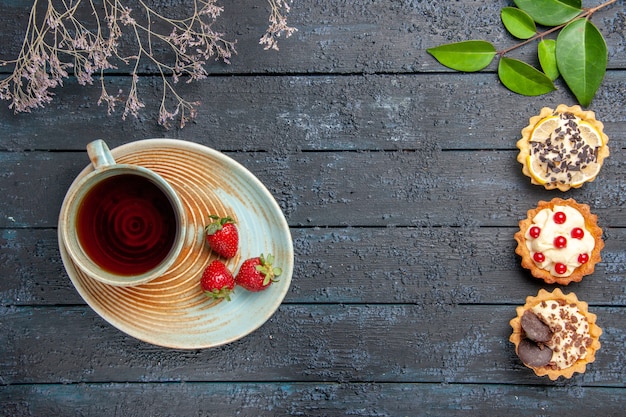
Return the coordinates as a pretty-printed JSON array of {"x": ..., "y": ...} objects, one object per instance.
[{"x": 559, "y": 241}]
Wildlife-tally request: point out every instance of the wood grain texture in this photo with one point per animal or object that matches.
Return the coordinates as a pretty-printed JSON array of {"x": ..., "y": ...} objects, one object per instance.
[
  {"x": 307, "y": 399},
  {"x": 305, "y": 342},
  {"x": 352, "y": 36},
  {"x": 388, "y": 265},
  {"x": 399, "y": 182},
  {"x": 317, "y": 112},
  {"x": 400, "y": 188}
]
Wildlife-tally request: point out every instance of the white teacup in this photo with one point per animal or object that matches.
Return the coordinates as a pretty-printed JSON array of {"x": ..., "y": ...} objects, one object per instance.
[{"x": 122, "y": 224}]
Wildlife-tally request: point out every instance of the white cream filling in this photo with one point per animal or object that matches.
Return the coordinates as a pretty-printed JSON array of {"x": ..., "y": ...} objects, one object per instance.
[
  {"x": 544, "y": 244},
  {"x": 565, "y": 153},
  {"x": 570, "y": 329}
]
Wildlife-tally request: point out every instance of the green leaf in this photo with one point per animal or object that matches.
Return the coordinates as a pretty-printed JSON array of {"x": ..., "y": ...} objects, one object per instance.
[
  {"x": 546, "y": 50},
  {"x": 467, "y": 56},
  {"x": 518, "y": 22},
  {"x": 582, "y": 57},
  {"x": 522, "y": 78},
  {"x": 551, "y": 12}
]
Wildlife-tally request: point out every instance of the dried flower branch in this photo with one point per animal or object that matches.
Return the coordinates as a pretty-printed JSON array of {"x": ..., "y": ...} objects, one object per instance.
[
  {"x": 59, "y": 42},
  {"x": 278, "y": 24}
]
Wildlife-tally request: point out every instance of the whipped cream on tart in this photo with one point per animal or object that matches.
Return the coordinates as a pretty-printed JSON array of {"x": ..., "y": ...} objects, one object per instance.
[{"x": 560, "y": 241}]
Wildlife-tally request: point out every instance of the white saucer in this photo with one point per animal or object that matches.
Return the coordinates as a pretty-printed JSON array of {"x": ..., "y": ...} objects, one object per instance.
[{"x": 172, "y": 311}]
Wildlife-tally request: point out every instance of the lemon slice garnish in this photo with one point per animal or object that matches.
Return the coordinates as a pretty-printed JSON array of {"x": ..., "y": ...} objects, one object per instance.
[
  {"x": 564, "y": 150},
  {"x": 544, "y": 128},
  {"x": 594, "y": 139},
  {"x": 542, "y": 131},
  {"x": 590, "y": 134},
  {"x": 534, "y": 167}
]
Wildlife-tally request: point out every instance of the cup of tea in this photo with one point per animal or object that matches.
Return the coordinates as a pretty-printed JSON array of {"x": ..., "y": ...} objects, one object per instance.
[{"x": 122, "y": 224}]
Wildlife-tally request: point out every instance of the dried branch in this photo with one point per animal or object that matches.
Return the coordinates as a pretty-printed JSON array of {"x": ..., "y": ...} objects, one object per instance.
[{"x": 59, "y": 43}]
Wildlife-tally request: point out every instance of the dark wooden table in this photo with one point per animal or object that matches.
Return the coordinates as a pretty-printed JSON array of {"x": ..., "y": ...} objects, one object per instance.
[{"x": 399, "y": 182}]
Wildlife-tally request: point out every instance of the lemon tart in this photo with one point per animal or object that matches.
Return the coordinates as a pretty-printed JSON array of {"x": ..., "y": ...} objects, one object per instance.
[{"x": 562, "y": 148}]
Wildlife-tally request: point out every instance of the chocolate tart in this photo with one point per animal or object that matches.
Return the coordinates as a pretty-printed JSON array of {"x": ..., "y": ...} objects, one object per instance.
[{"x": 555, "y": 335}]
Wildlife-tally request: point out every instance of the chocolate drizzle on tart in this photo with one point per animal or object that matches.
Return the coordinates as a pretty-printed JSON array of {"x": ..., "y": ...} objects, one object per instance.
[
  {"x": 555, "y": 334},
  {"x": 564, "y": 150}
]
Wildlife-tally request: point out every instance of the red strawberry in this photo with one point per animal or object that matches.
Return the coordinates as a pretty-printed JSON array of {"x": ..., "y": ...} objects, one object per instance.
[
  {"x": 257, "y": 274},
  {"x": 217, "y": 280},
  {"x": 223, "y": 236}
]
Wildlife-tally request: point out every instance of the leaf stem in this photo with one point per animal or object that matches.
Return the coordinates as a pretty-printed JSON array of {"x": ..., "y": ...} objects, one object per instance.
[{"x": 585, "y": 14}]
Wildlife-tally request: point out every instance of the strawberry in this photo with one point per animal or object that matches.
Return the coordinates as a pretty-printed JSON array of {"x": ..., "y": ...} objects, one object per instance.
[
  {"x": 223, "y": 236},
  {"x": 217, "y": 280},
  {"x": 256, "y": 274}
]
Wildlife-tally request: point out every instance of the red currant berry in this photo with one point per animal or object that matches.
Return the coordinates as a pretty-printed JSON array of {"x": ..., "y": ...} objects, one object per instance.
[
  {"x": 539, "y": 257},
  {"x": 534, "y": 232},
  {"x": 559, "y": 217},
  {"x": 577, "y": 233},
  {"x": 560, "y": 242},
  {"x": 559, "y": 268},
  {"x": 583, "y": 258}
]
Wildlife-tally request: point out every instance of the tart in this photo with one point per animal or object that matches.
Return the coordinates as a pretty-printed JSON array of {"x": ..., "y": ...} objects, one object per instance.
[
  {"x": 555, "y": 335},
  {"x": 562, "y": 148},
  {"x": 560, "y": 241}
]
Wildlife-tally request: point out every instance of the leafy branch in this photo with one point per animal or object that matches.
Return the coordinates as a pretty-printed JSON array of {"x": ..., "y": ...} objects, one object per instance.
[
  {"x": 579, "y": 54},
  {"x": 58, "y": 43}
]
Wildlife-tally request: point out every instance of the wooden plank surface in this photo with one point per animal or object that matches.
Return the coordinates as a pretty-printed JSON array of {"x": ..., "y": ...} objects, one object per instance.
[
  {"x": 359, "y": 36},
  {"x": 399, "y": 182},
  {"x": 477, "y": 188},
  {"x": 310, "y": 399},
  {"x": 405, "y": 265},
  {"x": 321, "y": 112},
  {"x": 435, "y": 342}
]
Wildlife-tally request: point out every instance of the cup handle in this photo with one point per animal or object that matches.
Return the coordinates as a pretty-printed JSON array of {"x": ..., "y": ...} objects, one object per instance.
[{"x": 100, "y": 154}]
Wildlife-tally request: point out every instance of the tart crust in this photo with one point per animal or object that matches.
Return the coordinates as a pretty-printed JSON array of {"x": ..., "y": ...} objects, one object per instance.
[
  {"x": 594, "y": 332},
  {"x": 524, "y": 143},
  {"x": 591, "y": 226}
]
